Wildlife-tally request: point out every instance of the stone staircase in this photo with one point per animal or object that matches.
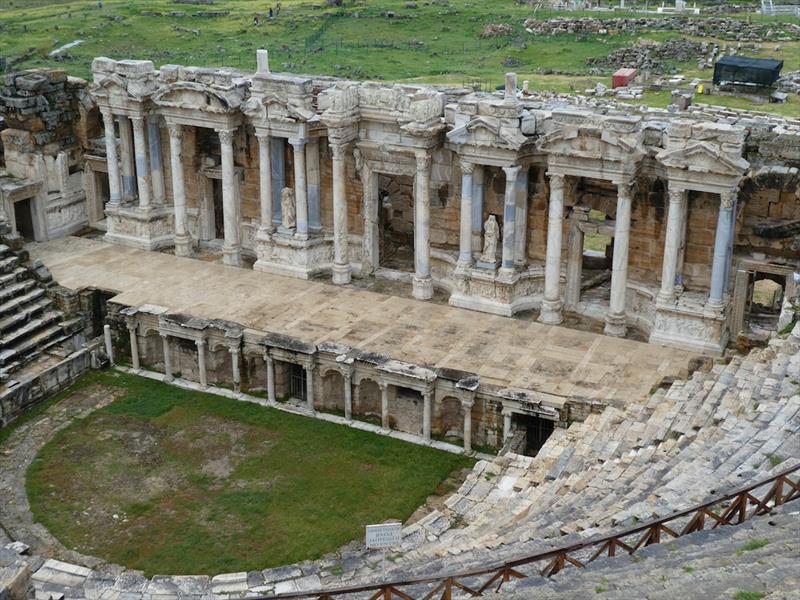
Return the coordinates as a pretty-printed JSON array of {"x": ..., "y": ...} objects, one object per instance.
[{"x": 30, "y": 324}]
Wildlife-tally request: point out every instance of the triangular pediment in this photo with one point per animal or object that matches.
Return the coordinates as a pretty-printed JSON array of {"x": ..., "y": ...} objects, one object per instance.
[
  {"x": 197, "y": 96},
  {"x": 703, "y": 157},
  {"x": 487, "y": 132},
  {"x": 591, "y": 142}
]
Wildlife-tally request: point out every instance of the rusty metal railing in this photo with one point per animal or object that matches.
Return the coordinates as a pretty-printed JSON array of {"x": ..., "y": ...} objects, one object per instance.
[{"x": 732, "y": 508}]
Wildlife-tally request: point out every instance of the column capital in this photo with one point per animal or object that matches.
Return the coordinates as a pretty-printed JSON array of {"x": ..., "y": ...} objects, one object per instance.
[
  {"x": 233, "y": 349},
  {"x": 225, "y": 135},
  {"x": 557, "y": 180},
  {"x": 676, "y": 194},
  {"x": 467, "y": 167},
  {"x": 339, "y": 151},
  {"x": 137, "y": 121},
  {"x": 262, "y": 136},
  {"x": 507, "y": 412},
  {"x": 467, "y": 403},
  {"x": 131, "y": 325},
  {"x": 175, "y": 130},
  {"x": 108, "y": 114},
  {"x": 727, "y": 199},
  {"x": 298, "y": 143},
  {"x": 163, "y": 335},
  {"x": 383, "y": 385},
  {"x": 511, "y": 173},
  {"x": 423, "y": 161},
  {"x": 200, "y": 343}
]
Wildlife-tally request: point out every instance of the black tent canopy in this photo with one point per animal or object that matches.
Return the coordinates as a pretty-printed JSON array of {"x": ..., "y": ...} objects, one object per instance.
[{"x": 742, "y": 70}]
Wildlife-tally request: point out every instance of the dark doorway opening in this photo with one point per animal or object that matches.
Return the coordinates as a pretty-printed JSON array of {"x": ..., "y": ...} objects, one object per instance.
[
  {"x": 23, "y": 216},
  {"x": 765, "y": 299},
  {"x": 297, "y": 382},
  {"x": 396, "y": 222},
  {"x": 219, "y": 221},
  {"x": 536, "y": 429}
]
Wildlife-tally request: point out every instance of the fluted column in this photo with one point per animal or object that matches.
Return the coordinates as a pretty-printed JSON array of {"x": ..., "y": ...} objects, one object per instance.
[
  {"x": 422, "y": 282},
  {"x": 312, "y": 185},
  {"x": 182, "y": 240},
  {"x": 521, "y": 222},
  {"x": 201, "y": 362},
  {"x": 270, "y": 377},
  {"x": 231, "y": 247},
  {"x": 142, "y": 164},
  {"x": 156, "y": 162},
  {"x": 167, "y": 357},
  {"x": 300, "y": 189},
  {"x": 669, "y": 268},
  {"x": 114, "y": 185},
  {"x": 465, "y": 232},
  {"x": 348, "y": 396},
  {"x": 265, "y": 184},
  {"x": 384, "y": 387},
  {"x": 466, "y": 406},
  {"x": 134, "y": 346},
  {"x": 427, "y": 396},
  {"x": 509, "y": 219},
  {"x": 722, "y": 255},
  {"x": 615, "y": 319},
  {"x": 551, "y": 304},
  {"x": 235, "y": 371},
  {"x": 126, "y": 158},
  {"x": 341, "y": 256}
]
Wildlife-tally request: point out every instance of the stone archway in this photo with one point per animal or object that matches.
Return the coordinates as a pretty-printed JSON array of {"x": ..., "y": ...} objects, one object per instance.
[
  {"x": 449, "y": 422},
  {"x": 332, "y": 397},
  {"x": 367, "y": 404}
]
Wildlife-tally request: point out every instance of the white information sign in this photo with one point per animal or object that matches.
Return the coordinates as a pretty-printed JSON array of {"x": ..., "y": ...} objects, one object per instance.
[{"x": 385, "y": 535}]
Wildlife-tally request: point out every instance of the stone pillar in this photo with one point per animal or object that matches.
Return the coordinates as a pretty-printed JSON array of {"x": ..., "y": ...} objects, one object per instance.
[
  {"x": 426, "y": 414},
  {"x": 722, "y": 241},
  {"x": 232, "y": 247},
  {"x": 142, "y": 164},
  {"x": 422, "y": 282},
  {"x": 156, "y": 162},
  {"x": 114, "y": 189},
  {"x": 312, "y": 177},
  {"x": 348, "y": 396},
  {"x": 134, "y": 346},
  {"x": 384, "y": 404},
  {"x": 126, "y": 158},
  {"x": 509, "y": 219},
  {"x": 506, "y": 424},
  {"x": 278, "y": 169},
  {"x": 265, "y": 184},
  {"x": 466, "y": 406},
  {"x": 235, "y": 371},
  {"x": 477, "y": 208},
  {"x": 270, "y": 377},
  {"x": 109, "y": 344},
  {"x": 201, "y": 361},
  {"x": 551, "y": 304},
  {"x": 465, "y": 232},
  {"x": 341, "y": 255},
  {"x": 182, "y": 239},
  {"x": 669, "y": 268},
  {"x": 615, "y": 319},
  {"x": 521, "y": 221},
  {"x": 572, "y": 293},
  {"x": 309, "y": 368},
  {"x": 300, "y": 190},
  {"x": 167, "y": 357}
]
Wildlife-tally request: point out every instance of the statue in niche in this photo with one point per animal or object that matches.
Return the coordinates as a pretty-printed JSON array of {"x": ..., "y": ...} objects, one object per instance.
[
  {"x": 491, "y": 233},
  {"x": 288, "y": 214}
]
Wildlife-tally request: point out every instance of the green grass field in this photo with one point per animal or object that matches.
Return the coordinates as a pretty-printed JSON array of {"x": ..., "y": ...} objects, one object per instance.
[
  {"x": 170, "y": 481},
  {"x": 439, "y": 41}
]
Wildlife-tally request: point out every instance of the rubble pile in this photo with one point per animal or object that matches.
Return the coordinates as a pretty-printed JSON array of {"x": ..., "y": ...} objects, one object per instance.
[
  {"x": 491, "y": 30},
  {"x": 651, "y": 56},
  {"x": 790, "y": 83},
  {"x": 719, "y": 27}
]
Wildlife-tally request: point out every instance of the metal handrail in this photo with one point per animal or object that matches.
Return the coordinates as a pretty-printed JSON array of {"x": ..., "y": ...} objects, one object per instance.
[{"x": 733, "y": 513}]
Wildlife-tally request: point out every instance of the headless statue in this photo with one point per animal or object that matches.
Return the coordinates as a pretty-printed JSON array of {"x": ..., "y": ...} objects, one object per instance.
[
  {"x": 288, "y": 214},
  {"x": 491, "y": 233}
]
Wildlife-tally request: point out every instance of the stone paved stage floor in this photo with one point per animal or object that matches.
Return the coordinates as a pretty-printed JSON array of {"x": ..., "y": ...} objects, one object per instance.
[{"x": 503, "y": 351}]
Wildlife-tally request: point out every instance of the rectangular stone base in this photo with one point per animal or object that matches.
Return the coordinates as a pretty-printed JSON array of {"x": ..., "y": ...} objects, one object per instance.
[
  {"x": 291, "y": 257},
  {"x": 497, "y": 292},
  {"x": 146, "y": 229},
  {"x": 691, "y": 326}
]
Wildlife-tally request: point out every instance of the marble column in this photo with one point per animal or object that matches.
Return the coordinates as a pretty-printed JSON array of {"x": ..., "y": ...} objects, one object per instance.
[
  {"x": 348, "y": 396},
  {"x": 142, "y": 164},
  {"x": 231, "y": 247},
  {"x": 426, "y": 414},
  {"x": 235, "y": 371},
  {"x": 466, "y": 406},
  {"x": 477, "y": 208},
  {"x": 422, "y": 281},
  {"x": 509, "y": 219},
  {"x": 167, "y": 357},
  {"x": 114, "y": 189},
  {"x": 384, "y": 387},
  {"x": 669, "y": 268},
  {"x": 278, "y": 170},
  {"x": 506, "y": 424},
  {"x": 156, "y": 161},
  {"x": 300, "y": 188},
  {"x": 182, "y": 239},
  {"x": 722, "y": 241},
  {"x": 201, "y": 362},
  {"x": 341, "y": 254},
  {"x": 134, "y": 346},
  {"x": 309, "y": 368},
  {"x": 126, "y": 158},
  {"x": 265, "y": 184},
  {"x": 465, "y": 232},
  {"x": 551, "y": 304},
  {"x": 312, "y": 185},
  {"x": 270, "y": 377},
  {"x": 615, "y": 319},
  {"x": 572, "y": 291},
  {"x": 521, "y": 221},
  {"x": 109, "y": 344}
]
